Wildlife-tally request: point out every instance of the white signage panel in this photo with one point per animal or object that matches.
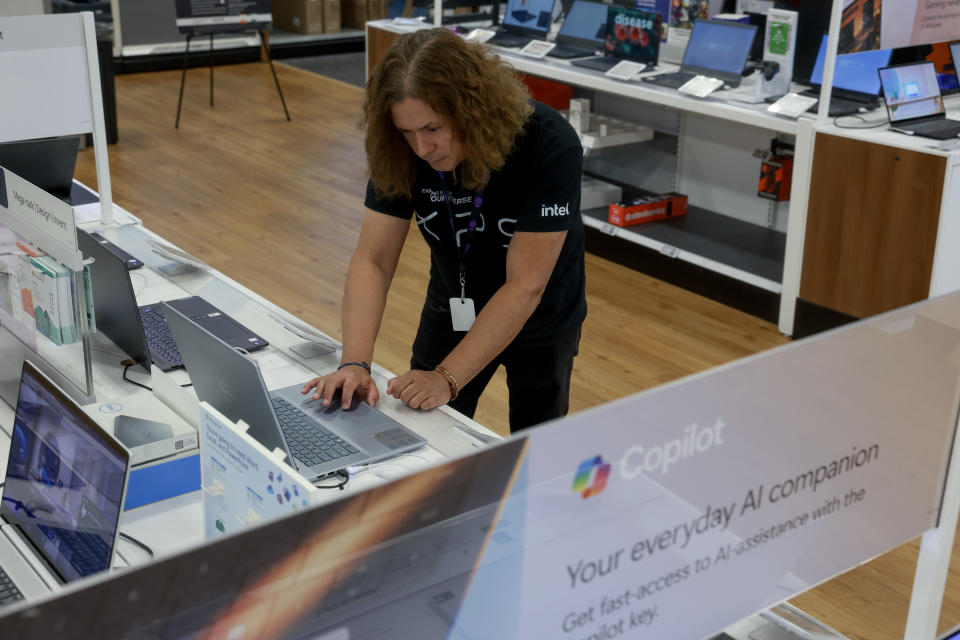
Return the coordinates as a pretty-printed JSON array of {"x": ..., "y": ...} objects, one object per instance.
[
  {"x": 43, "y": 219},
  {"x": 676, "y": 512},
  {"x": 43, "y": 63}
]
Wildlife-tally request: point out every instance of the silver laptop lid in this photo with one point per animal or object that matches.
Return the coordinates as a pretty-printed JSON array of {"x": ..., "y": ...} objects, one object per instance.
[
  {"x": 229, "y": 380},
  {"x": 65, "y": 480}
]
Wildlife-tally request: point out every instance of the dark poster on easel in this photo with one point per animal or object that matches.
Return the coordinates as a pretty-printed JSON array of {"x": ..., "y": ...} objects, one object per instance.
[{"x": 218, "y": 16}]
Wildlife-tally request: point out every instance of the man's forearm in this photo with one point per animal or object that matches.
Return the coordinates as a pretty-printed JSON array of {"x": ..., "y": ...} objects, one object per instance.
[{"x": 364, "y": 299}]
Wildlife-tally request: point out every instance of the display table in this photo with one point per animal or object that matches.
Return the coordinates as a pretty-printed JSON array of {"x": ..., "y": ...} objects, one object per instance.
[{"x": 176, "y": 524}]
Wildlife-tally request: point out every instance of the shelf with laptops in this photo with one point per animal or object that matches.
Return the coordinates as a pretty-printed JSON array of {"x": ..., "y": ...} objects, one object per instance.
[{"x": 732, "y": 245}]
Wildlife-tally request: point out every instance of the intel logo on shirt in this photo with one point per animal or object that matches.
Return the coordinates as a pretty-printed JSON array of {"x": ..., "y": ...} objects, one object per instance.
[{"x": 555, "y": 210}]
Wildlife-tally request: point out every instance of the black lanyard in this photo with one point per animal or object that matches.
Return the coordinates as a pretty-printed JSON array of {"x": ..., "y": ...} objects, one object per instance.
[{"x": 464, "y": 247}]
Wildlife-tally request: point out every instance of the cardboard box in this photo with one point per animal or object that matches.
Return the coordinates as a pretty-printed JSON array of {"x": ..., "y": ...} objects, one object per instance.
[
  {"x": 356, "y": 13},
  {"x": 649, "y": 209},
  {"x": 307, "y": 16}
]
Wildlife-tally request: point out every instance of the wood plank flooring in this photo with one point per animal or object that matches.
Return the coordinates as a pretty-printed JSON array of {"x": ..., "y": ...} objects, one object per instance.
[{"x": 276, "y": 205}]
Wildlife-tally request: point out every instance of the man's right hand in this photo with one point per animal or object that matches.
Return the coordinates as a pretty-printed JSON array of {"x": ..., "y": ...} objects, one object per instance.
[{"x": 350, "y": 380}]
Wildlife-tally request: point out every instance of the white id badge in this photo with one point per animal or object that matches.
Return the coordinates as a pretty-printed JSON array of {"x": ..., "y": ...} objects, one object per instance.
[{"x": 463, "y": 313}]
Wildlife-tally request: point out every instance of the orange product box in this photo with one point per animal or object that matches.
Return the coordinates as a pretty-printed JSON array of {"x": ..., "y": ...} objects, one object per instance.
[{"x": 648, "y": 209}]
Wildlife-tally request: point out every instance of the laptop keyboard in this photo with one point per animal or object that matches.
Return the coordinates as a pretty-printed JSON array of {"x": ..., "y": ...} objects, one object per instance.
[
  {"x": 309, "y": 442},
  {"x": 673, "y": 80},
  {"x": 937, "y": 126},
  {"x": 88, "y": 553},
  {"x": 158, "y": 335},
  {"x": 8, "y": 591}
]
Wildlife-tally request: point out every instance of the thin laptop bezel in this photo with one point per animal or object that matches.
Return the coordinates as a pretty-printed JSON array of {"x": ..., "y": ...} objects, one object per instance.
[
  {"x": 574, "y": 41},
  {"x": 532, "y": 32},
  {"x": 727, "y": 77},
  {"x": 105, "y": 436},
  {"x": 907, "y": 122}
]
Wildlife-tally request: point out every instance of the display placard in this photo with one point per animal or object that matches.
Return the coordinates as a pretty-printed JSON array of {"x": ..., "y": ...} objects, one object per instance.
[
  {"x": 218, "y": 16},
  {"x": 232, "y": 459}
]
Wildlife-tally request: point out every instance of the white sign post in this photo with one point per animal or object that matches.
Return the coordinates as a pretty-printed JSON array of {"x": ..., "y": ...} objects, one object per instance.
[{"x": 52, "y": 85}]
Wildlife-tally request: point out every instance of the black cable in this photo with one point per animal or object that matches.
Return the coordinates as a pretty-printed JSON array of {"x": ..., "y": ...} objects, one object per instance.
[
  {"x": 858, "y": 117},
  {"x": 127, "y": 366},
  {"x": 131, "y": 363},
  {"x": 343, "y": 474},
  {"x": 137, "y": 543}
]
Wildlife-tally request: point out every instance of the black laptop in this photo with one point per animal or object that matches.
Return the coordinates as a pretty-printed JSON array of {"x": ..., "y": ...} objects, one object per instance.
[
  {"x": 523, "y": 21},
  {"x": 630, "y": 34},
  {"x": 914, "y": 103},
  {"x": 48, "y": 163},
  {"x": 856, "y": 86},
  {"x": 716, "y": 49},
  {"x": 141, "y": 332},
  {"x": 583, "y": 31},
  {"x": 62, "y": 495}
]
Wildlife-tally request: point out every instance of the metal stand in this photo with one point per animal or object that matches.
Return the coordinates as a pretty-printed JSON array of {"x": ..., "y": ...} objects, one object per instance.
[{"x": 183, "y": 77}]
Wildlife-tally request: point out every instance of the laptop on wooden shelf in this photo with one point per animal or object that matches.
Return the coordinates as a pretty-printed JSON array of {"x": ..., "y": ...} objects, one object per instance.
[
  {"x": 856, "y": 86},
  {"x": 318, "y": 440},
  {"x": 716, "y": 49},
  {"x": 630, "y": 34},
  {"x": 582, "y": 32},
  {"x": 62, "y": 495},
  {"x": 914, "y": 103},
  {"x": 523, "y": 21}
]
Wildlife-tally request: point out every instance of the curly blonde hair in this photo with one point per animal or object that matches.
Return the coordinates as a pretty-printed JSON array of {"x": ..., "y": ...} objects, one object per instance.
[{"x": 484, "y": 101}]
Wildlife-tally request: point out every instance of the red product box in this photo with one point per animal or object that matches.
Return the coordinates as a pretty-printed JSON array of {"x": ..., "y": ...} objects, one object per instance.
[
  {"x": 775, "y": 175},
  {"x": 648, "y": 209}
]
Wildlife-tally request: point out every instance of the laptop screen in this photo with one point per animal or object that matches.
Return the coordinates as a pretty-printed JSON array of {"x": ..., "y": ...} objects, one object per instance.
[
  {"x": 911, "y": 91},
  {"x": 529, "y": 14},
  {"x": 65, "y": 480},
  {"x": 633, "y": 34},
  {"x": 718, "y": 46},
  {"x": 854, "y": 71},
  {"x": 48, "y": 163},
  {"x": 586, "y": 21}
]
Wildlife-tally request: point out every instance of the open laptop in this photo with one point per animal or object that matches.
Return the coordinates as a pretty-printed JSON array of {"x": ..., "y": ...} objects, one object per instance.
[
  {"x": 856, "y": 86},
  {"x": 914, "y": 104},
  {"x": 630, "y": 34},
  {"x": 62, "y": 495},
  {"x": 48, "y": 163},
  {"x": 318, "y": 440},
  {"x": 141, "y": 332},
  {"x": 716, "y": 49},
  {"x": 582, "y": 32},
  {"x": 523, "y": 21}
]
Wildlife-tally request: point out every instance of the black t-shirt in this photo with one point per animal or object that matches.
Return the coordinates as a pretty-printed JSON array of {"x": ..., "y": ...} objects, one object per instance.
[{"x": 537, "y": 189}]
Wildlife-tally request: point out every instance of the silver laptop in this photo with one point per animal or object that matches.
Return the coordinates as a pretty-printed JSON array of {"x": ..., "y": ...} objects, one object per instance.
[
  {"x": 914, "y": 103},
  {"x": 62, "y": 495},
  {"x": 318, "y": 440}
]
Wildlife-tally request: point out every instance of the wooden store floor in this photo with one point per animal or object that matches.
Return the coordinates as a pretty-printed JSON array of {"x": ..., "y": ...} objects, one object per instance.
[{"x": 277, "y": 206}]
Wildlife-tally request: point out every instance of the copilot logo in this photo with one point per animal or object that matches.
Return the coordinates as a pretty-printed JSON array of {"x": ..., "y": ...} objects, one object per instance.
[{"x": 591, "y": 477}]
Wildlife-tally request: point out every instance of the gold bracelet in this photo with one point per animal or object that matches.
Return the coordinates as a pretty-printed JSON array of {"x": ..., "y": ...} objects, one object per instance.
[{"x": 451, "y": 381}]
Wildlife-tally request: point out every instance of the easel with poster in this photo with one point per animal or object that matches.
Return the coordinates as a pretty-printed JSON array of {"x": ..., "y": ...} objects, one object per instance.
[{"x": 210, "y": 17}]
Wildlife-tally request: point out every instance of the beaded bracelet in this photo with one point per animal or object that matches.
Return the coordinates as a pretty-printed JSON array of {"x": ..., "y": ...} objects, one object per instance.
[
  {"x": 358, "y": 364},
  {"x": 451, "y": 381}
]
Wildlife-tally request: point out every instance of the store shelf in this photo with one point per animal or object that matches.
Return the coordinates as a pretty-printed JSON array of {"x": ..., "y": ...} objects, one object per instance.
[{"x": 734, "y": 249}]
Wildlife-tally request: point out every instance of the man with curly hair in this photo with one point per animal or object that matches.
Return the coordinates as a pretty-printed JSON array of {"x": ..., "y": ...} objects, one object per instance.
[{"x": 493, "y": 180}]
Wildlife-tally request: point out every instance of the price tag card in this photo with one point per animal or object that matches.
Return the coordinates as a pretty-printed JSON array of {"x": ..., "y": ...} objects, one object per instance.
[
  {"x": 537, "y": 48},
  {"x": 701, "y": 86},
  {"x": 792, "y": 105},
  {"x": 480, "y": 35},
  {"x": 625, "y": 70}
]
